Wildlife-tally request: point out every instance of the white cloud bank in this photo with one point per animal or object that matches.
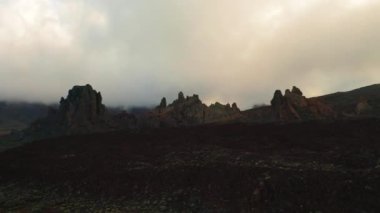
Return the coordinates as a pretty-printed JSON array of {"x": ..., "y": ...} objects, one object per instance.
[{"x": 135, "y": 52}]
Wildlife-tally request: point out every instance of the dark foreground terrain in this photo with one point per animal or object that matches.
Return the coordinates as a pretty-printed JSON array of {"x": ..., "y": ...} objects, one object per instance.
[{"x": 300, "y": 167}]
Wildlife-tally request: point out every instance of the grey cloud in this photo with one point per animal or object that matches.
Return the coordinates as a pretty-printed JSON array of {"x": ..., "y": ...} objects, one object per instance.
[{"x": 135, "y": 52}]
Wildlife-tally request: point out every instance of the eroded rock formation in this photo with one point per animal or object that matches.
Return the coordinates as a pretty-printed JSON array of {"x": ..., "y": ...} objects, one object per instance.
[
  {"x": 81, "y": 111},
  {"x": 294, "y": 106},
  {"x": 83, "y": 107},
  {"x": 222, "y": 113},
  {"x": 191, "y": 111}
]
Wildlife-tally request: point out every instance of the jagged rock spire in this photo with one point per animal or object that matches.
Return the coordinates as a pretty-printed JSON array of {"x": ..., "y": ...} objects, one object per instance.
[
  {"x": 82, "y": 106},
  {"x": 297, "y": 91},
  {"x": 163, "y": 103},
  {"x": 277, "y": 98},
  {"x": 181, "y": 97}
]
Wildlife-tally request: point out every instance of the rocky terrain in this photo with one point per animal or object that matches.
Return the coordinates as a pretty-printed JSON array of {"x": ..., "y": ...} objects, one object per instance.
[
  {"x": 82, "y": 112},
  {"x": 191, "y": 111},
  {"x": 298, "y": 154},
  {"x": 316, "y": 166}
]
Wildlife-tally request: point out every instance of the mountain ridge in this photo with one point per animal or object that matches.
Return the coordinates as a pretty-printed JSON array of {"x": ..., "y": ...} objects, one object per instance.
[{"x": 292, "y": 106}]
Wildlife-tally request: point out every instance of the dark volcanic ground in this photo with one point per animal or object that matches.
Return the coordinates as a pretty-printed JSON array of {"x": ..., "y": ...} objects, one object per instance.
[{"x": 300, "y": 167}]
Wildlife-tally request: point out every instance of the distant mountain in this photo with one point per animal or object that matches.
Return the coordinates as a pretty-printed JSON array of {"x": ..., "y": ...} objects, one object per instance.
[
  {"x": 362, "y": 101},
  {"x": 19, "y": 115}
]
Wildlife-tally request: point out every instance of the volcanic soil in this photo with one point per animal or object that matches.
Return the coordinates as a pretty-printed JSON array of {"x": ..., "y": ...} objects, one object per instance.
[{"x": 300, "y": 167}]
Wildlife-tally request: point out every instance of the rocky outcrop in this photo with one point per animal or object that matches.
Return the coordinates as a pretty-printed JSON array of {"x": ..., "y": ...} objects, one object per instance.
[
  {"x": 181, "y": 97},
  {"x": 160, "y": 108},
  {"x": 191, "y": 111},
  {"x": 296, "y": 90},
  {"x": 277, "y": 103},
  {"x": 163, "y": 103},
  {"x": 81, "y": 111},
  {"x": 294, "y": 106},
  {"x": 222, "y": 113},
  {"x": 82, "y": 108},
  {"x": 182, "y": 112}
]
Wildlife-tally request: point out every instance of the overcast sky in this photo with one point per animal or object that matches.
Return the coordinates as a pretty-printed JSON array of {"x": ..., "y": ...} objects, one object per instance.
[{"x": 137, "y": 51}]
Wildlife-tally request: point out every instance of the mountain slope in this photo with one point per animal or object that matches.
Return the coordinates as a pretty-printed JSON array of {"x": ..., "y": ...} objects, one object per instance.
[{"x": 347, "y": 102}]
